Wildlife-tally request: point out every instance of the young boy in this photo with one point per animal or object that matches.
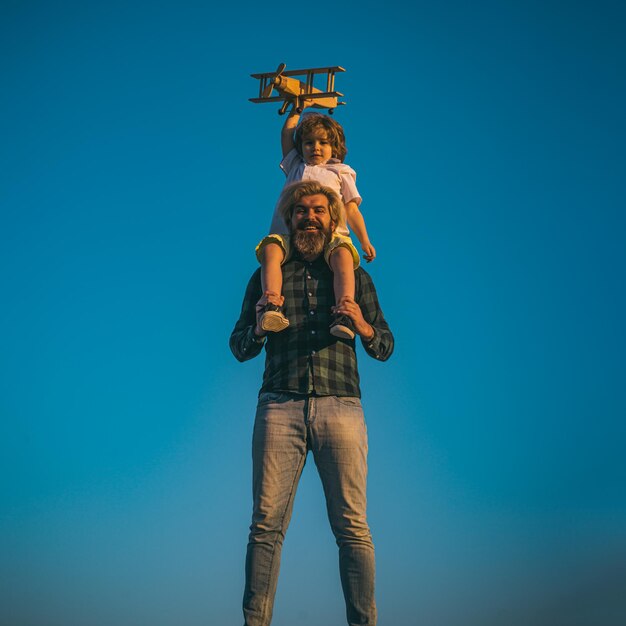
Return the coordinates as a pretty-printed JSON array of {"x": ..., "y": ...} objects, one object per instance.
[{"x": 316, "y": 151}]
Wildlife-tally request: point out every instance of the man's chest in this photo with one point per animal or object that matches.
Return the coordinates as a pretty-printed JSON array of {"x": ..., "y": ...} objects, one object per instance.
[{"x": 309, "y": 295}]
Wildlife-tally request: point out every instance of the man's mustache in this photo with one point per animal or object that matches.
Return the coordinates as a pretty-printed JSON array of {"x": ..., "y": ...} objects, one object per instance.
[{"x": 304, "y": 224}]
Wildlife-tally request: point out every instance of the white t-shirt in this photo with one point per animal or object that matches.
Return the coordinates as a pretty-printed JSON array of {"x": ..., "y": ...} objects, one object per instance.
[{"x": 341, "y": 178}]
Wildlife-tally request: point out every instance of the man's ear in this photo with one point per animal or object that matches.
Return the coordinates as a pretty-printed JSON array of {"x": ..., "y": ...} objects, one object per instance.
[{"x": 333, "y": 226}]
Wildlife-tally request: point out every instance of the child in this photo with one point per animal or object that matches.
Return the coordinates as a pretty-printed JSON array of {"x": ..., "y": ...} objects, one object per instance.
[{"x": 316, "y": 152}]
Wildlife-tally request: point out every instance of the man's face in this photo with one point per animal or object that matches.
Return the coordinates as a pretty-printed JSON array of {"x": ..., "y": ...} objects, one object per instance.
[{"x": 311, "y": 225}]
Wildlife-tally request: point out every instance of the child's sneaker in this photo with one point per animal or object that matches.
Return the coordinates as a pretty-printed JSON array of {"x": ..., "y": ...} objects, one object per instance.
[
  {"x": 342, "y": 327},
  {"x": 272, "y": 318}
]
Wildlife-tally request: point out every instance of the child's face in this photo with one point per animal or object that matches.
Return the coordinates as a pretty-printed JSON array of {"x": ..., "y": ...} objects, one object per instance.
[{"x": 316, "y": 148}]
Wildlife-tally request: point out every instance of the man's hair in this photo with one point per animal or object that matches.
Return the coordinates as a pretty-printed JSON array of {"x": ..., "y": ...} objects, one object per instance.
[
  {"x": 293, "y": 193},
  {"x": 334, "y": 132}
]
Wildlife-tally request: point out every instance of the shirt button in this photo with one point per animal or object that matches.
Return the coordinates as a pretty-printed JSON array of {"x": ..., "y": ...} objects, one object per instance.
[
  {"x": 310, "y": 293},
  {"x": 312, "y": 332},
  {"x": 311, "y": 312},
  {"x": 308, "y": 276},
  {"x": 312, "y": 352}
]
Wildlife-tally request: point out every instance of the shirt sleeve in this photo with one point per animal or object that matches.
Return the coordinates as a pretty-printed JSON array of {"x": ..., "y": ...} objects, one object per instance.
[
  {"x": 243, "y": 342},
  {"x": 347, "y": 180},
  {"x": 381, "y": 345},
  {"x": 291, "y": 160}
]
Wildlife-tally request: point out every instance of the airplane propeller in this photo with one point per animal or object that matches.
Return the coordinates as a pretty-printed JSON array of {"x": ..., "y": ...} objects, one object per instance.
[{"x": 267, "y": 92}]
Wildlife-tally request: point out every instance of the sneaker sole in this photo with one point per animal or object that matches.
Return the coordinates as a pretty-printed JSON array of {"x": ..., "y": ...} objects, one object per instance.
[
  {"x": 274, "y": 322},
  {"x": 343, "y": 332}
]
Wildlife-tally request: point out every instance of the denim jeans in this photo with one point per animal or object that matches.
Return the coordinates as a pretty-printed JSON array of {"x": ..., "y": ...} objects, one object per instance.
[{"x": 286, "y": 427}]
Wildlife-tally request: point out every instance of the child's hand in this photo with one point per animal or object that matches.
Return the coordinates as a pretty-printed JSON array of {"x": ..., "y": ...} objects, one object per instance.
[{"x": 370, "y": 252}]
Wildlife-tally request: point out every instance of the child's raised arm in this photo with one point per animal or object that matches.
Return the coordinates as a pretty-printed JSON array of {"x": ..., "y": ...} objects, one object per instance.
[{"x": 286, "y": 134}]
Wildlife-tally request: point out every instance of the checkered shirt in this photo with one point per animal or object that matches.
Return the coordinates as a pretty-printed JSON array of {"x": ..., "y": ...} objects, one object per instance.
[{"x": 305, "y": 358}]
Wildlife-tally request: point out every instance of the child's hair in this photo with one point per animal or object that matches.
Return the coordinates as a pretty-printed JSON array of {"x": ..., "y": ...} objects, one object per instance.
[{"x": 312, "y": 122}]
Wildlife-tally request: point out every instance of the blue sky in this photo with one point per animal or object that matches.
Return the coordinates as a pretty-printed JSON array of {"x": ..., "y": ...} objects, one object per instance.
[{"x": 135, "y": 180}]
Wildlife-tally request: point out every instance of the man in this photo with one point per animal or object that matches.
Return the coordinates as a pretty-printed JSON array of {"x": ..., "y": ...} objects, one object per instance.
[{"x": 310, "y": 400}]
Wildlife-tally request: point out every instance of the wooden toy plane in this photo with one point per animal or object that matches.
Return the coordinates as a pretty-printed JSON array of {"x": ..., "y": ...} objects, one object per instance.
[{"x": 293, "y": 91}]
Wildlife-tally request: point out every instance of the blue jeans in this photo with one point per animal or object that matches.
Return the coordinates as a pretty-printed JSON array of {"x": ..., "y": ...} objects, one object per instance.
[{"x": 287, "y": 426}]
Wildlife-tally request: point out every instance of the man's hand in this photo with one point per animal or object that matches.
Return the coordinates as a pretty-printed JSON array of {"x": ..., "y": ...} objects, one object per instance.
[
  {"x": 348, "y": 306},
  {"x": 370, "y": 252},
  {"x": 268, "y": 296}
]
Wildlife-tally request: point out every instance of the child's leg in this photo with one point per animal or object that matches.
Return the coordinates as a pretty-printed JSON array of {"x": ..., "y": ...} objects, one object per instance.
[
  {"x": 342, "y": 263},
  {"x": 271, "y": 257},
  {"x": 271, "y": 273}
]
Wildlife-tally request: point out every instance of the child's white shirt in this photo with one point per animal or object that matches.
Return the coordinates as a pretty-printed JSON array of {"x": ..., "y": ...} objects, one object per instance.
[{"x": 341, "y": 178}]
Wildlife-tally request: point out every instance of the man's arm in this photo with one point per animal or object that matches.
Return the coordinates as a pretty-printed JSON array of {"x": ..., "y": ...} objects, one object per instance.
[
  {"x": 367, "y": 316},
  {"x": 245, "y": 340}
]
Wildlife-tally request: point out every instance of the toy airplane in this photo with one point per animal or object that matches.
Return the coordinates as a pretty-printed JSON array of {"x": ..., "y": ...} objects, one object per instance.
[{"x": 294, "y": 92}]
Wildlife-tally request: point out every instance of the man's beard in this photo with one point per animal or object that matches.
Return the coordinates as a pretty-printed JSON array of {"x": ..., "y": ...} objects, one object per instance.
[{"x": 309, "y": 243}]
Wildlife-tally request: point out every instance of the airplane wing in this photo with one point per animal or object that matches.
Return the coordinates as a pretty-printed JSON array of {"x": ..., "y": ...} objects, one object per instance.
[{"x": 315, "y": 70}]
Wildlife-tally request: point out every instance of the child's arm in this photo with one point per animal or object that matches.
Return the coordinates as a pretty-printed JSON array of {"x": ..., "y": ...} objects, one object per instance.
[
  {"x": 357, "y": 224},
  {"x": 286, "y": 134}
]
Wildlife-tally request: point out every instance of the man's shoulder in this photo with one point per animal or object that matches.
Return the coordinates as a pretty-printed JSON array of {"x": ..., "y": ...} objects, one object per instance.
[
  {"x": 255, "y": 278},
  {"x": 361, "y": 273},
  {"x": 363, "y": 280}
]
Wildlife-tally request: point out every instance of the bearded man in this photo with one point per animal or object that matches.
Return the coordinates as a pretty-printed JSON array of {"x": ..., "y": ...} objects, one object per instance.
[{"x": 310, "y": 400}]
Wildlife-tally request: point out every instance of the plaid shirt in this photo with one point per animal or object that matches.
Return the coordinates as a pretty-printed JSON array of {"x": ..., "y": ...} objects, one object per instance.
[{"x": 305, "y": 358}]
